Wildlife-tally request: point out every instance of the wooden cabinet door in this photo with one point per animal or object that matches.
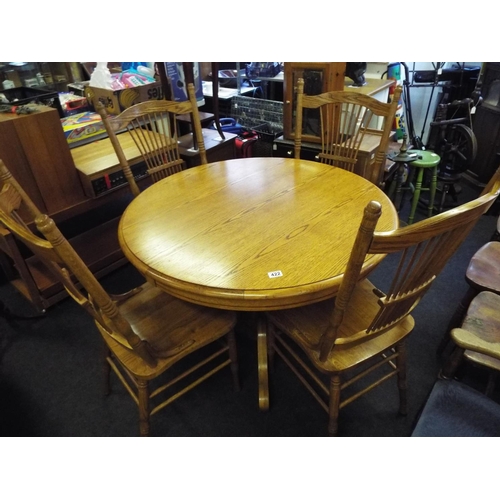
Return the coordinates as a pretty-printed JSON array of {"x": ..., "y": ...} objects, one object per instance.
[{"x": 318, "y": 77}]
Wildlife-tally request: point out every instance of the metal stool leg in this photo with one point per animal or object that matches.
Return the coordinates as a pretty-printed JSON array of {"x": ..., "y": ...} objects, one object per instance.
[
  {"x": 416, "y": 195},
  {"x": 446, "y": 188},
  {"x": 395, "y": 190}
]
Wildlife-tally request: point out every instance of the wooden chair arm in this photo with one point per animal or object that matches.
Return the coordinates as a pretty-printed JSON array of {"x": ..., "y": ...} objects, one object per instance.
[{"x": 469, "y": 340}]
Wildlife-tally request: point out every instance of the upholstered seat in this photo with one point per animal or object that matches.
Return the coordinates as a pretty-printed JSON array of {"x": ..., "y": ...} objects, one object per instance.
[{"x": 454, "y": 409}]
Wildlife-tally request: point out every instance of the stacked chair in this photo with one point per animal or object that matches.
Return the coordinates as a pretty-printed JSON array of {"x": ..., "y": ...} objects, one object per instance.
[
  {"x": 453, "y": 407},
  {"x": 482, "y": 274}
]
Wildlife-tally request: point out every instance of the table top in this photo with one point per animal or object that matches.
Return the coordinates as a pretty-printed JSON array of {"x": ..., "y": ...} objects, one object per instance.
[
  {"x": 99, "y": 157},
  {"x": 251, "y": 234},
  {"x": 372, "y": 87}
]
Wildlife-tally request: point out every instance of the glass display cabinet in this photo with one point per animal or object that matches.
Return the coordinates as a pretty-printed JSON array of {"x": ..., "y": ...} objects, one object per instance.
[{"x": 318, "y": 77}]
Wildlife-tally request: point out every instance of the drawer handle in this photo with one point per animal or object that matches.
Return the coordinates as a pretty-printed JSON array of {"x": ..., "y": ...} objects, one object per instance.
[{"x": 289, "y": 152}]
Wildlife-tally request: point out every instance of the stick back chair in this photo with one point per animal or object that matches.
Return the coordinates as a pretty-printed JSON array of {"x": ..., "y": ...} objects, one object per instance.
[
  {"x": 477, "y": 339},
  {"x": 145, "y": 330},
  {"x": 345, "y": 119},
  {"x": 482, "y": 274},
  {"x": 364, "y": 328},
  {"x": 153, "y": 129}
]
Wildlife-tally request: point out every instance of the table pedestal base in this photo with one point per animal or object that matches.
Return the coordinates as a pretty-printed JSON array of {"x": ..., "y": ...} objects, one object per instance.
[{"x": 262, "y": 363}]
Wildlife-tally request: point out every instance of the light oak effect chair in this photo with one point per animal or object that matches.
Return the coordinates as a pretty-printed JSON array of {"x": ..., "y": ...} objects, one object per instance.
[
  {"x": 153, "y": 128},
  {"x": 345, "y": 119},
  {"x": 332, "y": 345},
  {"x": 146, "y": 331}
]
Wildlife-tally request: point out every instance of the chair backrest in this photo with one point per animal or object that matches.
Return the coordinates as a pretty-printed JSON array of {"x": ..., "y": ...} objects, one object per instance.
[
  {"x": 57, "y": 254},
  {"x": 344, "y": 119},
  {"x": 153, "y": 128},
  {"x": 420, "y": 250}
]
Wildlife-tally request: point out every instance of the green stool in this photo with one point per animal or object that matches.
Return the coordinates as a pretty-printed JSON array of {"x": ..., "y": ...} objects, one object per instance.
[{"x": 426, "y": 160}]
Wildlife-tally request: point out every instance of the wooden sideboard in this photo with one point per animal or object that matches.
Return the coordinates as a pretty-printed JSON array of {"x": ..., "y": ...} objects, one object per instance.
[{"x": 35, "y": 150}]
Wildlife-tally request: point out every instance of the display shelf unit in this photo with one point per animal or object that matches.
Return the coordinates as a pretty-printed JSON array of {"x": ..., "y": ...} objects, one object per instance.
[
  {"x": 32, "y": 279},
  {"x": 48, "y": 75},
  {"x": 35, "y": 150}
]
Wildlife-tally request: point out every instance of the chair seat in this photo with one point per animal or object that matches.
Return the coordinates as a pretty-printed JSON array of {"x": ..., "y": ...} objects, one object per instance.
[
  {"x": 456, "y": 410},
  {"x": 483, "y": 271},
  {"x": 172, "y": 327},
  {"x": 483, "y": 319},
  {"x": 362, "y": 308}
]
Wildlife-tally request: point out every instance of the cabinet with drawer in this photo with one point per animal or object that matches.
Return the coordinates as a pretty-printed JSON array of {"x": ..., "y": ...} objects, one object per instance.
[{"x": 284, "y": 148}]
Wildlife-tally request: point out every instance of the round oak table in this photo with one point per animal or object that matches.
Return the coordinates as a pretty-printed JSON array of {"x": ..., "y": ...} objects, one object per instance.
[{"x": 251, "y": 234}]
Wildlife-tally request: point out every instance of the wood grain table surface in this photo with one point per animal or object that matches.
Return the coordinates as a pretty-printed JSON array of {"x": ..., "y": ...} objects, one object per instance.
[{"x": 250, "y": 234}]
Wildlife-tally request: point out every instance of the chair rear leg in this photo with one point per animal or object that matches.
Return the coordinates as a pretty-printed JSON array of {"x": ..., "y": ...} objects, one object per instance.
[
  {"x": 490, "y": 387},
  {"x": 143, "y": 393},
  {"x": 233, "y": 355},
  {"x": 402, "y": 384},
  {"x": 334, "y": 405},
  {"x": 451, "y": 366}
]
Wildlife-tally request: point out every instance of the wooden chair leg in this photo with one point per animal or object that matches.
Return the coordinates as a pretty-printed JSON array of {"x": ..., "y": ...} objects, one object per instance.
[
  {"x": 490, "y": 386},
  {"x": 231, "y": 340},
  {"x": 457, "y": 318},
  {"x": 402, "y": 385},
  {"x": 7, "y": 267},
  {"x": 106, "y": 371},
  {"x": 334, "y": 405},
  {"x": 432, "y": 192},
  {"x": 451, "y": 366},
  {"x": 143, "y": 393}
]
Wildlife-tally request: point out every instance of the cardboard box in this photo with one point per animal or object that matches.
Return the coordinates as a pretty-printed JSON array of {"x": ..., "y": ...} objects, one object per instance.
[
  {"x": 116, "y": 101},
  {"x": 82, "y": 126}
]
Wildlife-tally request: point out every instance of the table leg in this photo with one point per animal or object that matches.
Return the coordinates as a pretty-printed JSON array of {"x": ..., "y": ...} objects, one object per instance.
[{"x": 262, "y": 363}]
